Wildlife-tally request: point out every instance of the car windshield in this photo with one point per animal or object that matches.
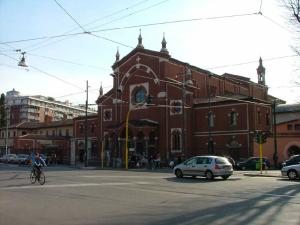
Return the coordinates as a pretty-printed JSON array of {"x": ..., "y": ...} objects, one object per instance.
[
  {"x": 293, "y": 156},
  {"x": 222, "y": 161}
]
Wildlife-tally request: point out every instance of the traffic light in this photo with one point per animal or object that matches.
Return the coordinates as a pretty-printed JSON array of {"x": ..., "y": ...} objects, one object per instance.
[
  {"x": 257, "y": 138},
  {"x": 261, "y": 137}
]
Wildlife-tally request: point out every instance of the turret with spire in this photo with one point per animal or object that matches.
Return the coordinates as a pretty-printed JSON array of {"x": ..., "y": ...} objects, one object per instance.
[
  {"x": 140, "y": 44},
  {"x": 101, "y": 91},
  {"x": 117, "y": 55},
  {"x": 164, "y": 46},
  {"x": 261, "y": 73}
]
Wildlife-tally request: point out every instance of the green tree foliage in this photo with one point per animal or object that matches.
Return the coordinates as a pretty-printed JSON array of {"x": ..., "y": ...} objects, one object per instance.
[{"x": 2, "y": 111}]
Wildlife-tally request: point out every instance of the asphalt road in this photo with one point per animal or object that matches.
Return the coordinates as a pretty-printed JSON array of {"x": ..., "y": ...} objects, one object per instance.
[{"x": 93, "y": 197}]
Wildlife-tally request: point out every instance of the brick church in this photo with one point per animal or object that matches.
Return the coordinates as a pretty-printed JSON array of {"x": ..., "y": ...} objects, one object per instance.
[{"x": 176, "y": 109}]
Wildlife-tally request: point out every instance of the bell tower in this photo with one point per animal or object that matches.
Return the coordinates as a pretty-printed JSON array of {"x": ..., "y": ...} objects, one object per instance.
[{"x": 261, "y": 73}]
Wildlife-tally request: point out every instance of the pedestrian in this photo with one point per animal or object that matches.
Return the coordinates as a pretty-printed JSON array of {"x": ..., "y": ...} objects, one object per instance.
[
  {"x": 157, "y": 160},
  {"x": 150, "y": 162}
]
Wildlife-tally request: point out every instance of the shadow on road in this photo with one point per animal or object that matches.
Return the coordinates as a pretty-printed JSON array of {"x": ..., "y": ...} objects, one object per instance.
[
  {"x": 266, "y": 207},
  {"x": 199, "y": 179}
]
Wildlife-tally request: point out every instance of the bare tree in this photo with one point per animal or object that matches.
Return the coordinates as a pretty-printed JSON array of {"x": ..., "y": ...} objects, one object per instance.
[{"x": 293, "y": 16}]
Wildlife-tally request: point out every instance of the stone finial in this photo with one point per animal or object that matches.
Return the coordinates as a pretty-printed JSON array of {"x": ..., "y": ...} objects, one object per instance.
[
  {"x": 164, "y": 45},
  {"x": 101, "y": 90},
  {"x": 140, "y": 43},
  {"x": 117, "y": 55}
]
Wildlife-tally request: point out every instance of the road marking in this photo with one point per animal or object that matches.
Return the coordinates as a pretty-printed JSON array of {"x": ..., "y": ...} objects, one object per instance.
[
  {"x": 71, "y": 185},
  {"x": 109, "y": 176}
]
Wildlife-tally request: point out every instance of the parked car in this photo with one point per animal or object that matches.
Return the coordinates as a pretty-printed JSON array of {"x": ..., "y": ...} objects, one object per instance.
[
  {"x": 292, "y": 171},
  {"x": 21, "y": 158},
  {"x": 9, "y": 158},
  {"x": 251, "y": 163},
  {"x": 293, "y": 160},
  {"x": 205, "y": 166}
]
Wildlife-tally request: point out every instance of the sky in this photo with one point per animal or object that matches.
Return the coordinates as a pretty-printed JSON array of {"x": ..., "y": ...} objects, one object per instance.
[{"x": 229, "y": 38}]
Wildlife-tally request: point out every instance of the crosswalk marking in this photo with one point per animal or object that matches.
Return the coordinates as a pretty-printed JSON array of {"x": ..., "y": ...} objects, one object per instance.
[{"x": 71, "y": 185}]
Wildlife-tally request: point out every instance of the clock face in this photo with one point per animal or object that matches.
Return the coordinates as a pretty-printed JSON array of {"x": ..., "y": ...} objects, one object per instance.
[{"x": 140, "y": 95}]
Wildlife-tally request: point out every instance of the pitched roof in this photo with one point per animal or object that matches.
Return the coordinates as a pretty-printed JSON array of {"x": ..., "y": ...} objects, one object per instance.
[
  {"x": 288, "y": 108},
  {"x": 36, "y": 125},
  {"x": 287, "y": 117}
]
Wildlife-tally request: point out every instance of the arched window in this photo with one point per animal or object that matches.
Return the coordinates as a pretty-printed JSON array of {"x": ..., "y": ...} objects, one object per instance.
[
  {"x": 267, "y": 119},
  {"x": 210, "y": 119},
  {"x": 81, "y": 129},
  {"x": 176, "y": 140},
  {"x": 92, "y": 128},
  {"x": 233, "y": 118}
]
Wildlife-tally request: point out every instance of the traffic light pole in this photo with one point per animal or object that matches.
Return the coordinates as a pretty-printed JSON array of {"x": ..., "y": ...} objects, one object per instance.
[{"x": 126, "y": 140}]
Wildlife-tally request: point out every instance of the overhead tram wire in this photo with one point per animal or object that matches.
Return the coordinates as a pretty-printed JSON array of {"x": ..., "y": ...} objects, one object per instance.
[
  {"x": 67, "y": 61},
  {"x": 70, "y": 15},
  {"x": 130, "y": 14},
  {"x": 46, "y": 73},
  {"x": 174, "y": 21},
  {"x": 116, "y": 42},
  {"x": 250, "y": 62},
  {"x": 87, "y": 24},
  {"x": 132, "y": 26},
  {"x": 58, "y": 59}
]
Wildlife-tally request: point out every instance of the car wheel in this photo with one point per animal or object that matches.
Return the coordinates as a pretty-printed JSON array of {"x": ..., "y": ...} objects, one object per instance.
[
  {"x": 225, "y": 177},
  {"x": 209, "y": 175},
  {"x": 292, "y": 174},
  {"x": 243, "y": 168},
  {"x": 178, "y": 173}
]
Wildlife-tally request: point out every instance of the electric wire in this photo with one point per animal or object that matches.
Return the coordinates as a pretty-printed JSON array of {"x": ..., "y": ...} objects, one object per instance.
[
  {"x": 274, "y": 22},
  {"x": 44, "y": 43},
  {"x": 69, "y": 15},
  {"x": 130, "y": 14},
  {"x": 132, "y": 26},
  {"x": 171, "y": 22},
  {"x": 46, "y": 73},
  {"x": 116, "y": 42},
  {"x": 253, "y": 61},
  {"x": 67, "y": 61}
]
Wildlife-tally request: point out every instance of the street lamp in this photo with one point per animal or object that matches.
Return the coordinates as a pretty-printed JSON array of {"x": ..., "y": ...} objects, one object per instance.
[{"x": 22, "y": 62}]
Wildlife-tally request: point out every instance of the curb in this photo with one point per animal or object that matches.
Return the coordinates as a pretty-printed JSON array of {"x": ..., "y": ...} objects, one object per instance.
[{"x": 260, "y": 175}]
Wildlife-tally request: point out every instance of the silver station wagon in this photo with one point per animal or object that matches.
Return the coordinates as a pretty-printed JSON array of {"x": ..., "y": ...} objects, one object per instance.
[{"x": 205, "y": 166}]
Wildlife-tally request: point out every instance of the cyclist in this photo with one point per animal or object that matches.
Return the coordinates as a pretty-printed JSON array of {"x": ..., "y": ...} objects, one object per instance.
[{"x": 37, "y": 163}]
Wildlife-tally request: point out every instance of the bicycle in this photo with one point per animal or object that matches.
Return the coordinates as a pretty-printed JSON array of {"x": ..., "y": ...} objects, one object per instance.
[{"x": 36, "y": 175}]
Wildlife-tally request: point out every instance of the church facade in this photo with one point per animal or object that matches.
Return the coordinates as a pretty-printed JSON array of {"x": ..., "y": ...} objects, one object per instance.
[{"x": 178, "y": 110}]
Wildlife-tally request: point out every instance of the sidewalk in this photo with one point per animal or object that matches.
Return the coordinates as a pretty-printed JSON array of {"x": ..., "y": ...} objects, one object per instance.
[{"x": 265, "y": 173}]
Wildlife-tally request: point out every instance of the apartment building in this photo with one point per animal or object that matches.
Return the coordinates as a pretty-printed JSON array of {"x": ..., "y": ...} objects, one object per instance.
[{"x": 39, "y": 108}]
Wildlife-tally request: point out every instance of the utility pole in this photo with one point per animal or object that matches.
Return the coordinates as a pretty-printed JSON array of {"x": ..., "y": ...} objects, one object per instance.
[
  {"x": 85, "y": 125},
  {"x": 275, "y": 156}
]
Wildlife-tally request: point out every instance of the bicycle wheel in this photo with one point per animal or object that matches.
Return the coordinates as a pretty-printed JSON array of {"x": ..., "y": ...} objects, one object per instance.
[
  {"x": 42, "y": 178},
  {"x": 32, "y": 177}
]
